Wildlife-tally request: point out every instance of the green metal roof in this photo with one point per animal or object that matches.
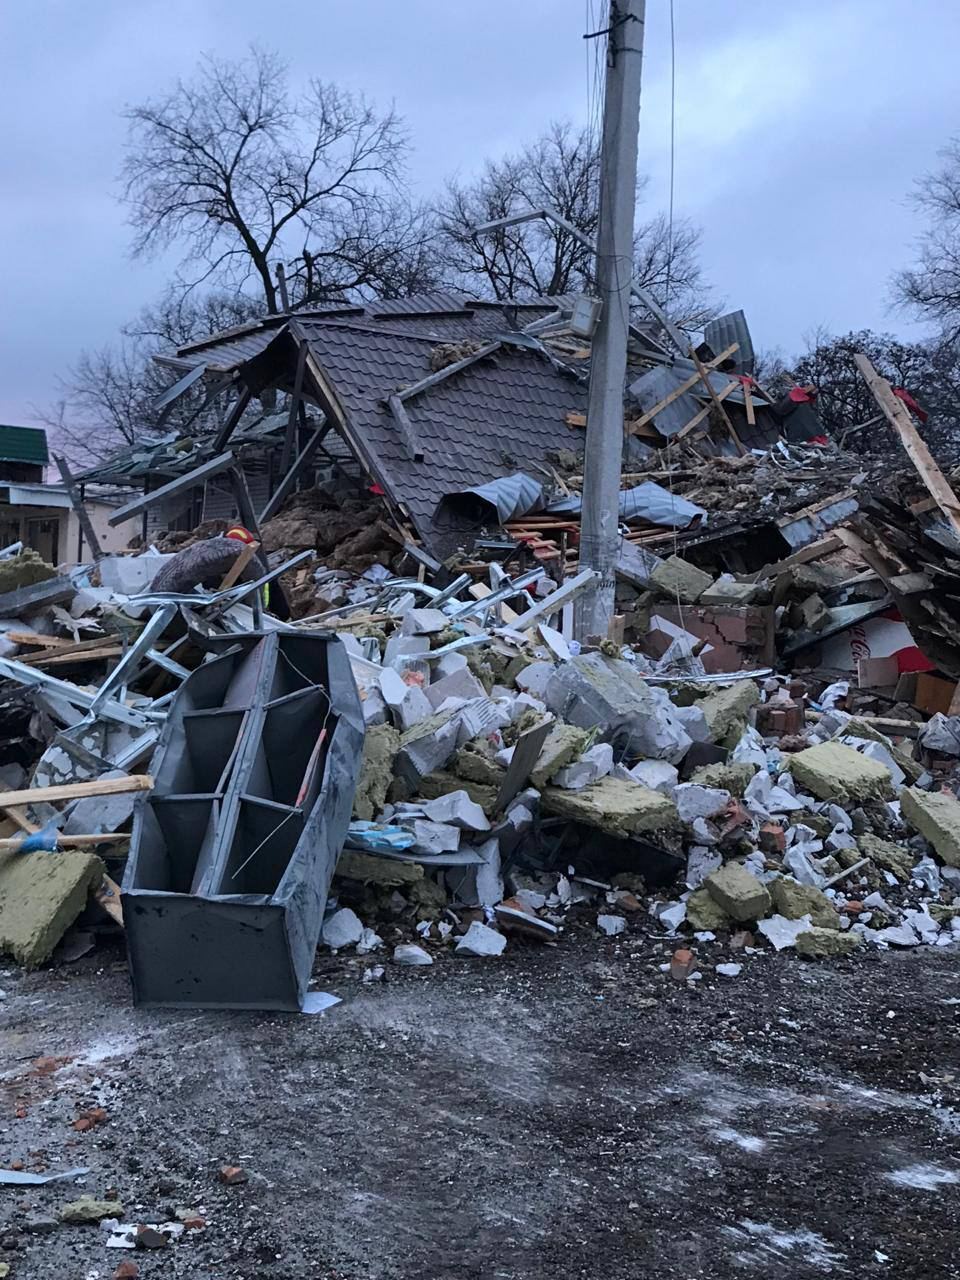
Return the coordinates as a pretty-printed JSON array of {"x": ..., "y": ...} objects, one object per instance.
[{"x": 23, "y": 444}]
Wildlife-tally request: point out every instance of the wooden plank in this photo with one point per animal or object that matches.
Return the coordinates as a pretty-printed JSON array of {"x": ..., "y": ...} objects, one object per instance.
[
  {"x": 35, "y": 638},
  {"x": 715, "y": 400},
  {"x": 198, "y": 476},
  {"x": 686, "y": 384},
  {"x": 108, "y": 897},
  {"x": 748, "y": 404},
  {"x": 897, "y": 414},
  {"x": 480, "y": 591},
  {"x": 65, "y": 650},
  {"x": 76, "y": 502},
  {"x": 575, "y": 419},
  {"x": 815, "y": 551},
  {"x": 71, "y": 659},
  {"x": 76, "y": 790},
  {"x": 699, "y": 417},
  {"x": 243, "y": 559}
]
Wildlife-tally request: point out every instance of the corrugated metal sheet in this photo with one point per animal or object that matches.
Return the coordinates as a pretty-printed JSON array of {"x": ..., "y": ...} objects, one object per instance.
[
  {"x": 727, "y": 329},
  {"x": 510, "y": 497},
  {"x": 647, "y": 501}
]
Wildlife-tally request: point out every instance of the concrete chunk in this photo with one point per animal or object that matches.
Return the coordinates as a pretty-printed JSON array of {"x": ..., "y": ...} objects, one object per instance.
[
  {"x": 694, "y": 801},
  {"x": 592, "y": 691},
  {"x": 426, "y": 747},
  {"x": 408, "y": 702},
  {"x": 613, "y": 805},
  {"x": 936, "y": 815},
  {"x": 831, "y": 771},
  {"x": 461, "y": 683},
  {"x": 342, "y": 929},
  {"x": 481, "y": 883},
  {"x": 741, "y": 895},
  {"x": 680, "y": 580},
  {"x": 459, "y": 810},
  {"x": 424, "y": 622},
  {"x": 481, "y": 940},
  {"x": 658, "y": 775},
  {"x": 41, "y": 894},
  {"x": 431, "y": 837},
  {"x": 730, "y": 592},
  {"x": 595, "y": 763}
]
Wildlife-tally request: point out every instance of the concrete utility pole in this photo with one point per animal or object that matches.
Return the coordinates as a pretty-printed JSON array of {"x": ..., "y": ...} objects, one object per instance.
[{"x": 599, "y": 537}]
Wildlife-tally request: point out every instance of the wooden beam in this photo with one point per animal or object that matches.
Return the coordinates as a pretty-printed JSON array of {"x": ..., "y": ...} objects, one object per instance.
[
  {"x": 715, "y": 400},
  {"x": 64, "y": 659},
  {"x": 897, "y": 414},
  {"x": 238, "y": 566},
  {"x": 76, "y": 790},
  {"x": 684, "y": 386},
  {"x": 198, "y": 476},
  {"x": 77, "y": 503},
  {"x": 699, "y": 417},
  {"x": 748, "y": 404},
  {"x": 815, "y": 551}
]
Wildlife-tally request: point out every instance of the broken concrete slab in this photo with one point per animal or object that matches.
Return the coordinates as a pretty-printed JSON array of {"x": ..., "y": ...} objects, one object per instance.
[
  {"x": 694, "y": 801},
  {"x": 679, "y": 580},
  {"x": 424, "y": 622},
  {"x": 481, "y": 884},
  {"x": 427, "y": 747},
  {"x": 795, "y": 901},
  {"x": 381, "y": 744},
  {"x": 726, "y": 707},
  {"x": 821, "y": 944},
  {"x": 741, "y": 895},
  {"x": 936, "y": 815},
  {"x": 41, "y": 894},
  {"x": 459, "y": 810},
  {"x": 609, "y": 696},
  {"x": 461, "y": 683},
  {"x": 831, "y": 771},
  {"x": 658, "y": 775},
  {"x": 615, "y": 806}
]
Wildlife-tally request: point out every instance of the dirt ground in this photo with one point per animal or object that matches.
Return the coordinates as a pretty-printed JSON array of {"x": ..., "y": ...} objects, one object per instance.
[{"x": 562, "y": 1112}]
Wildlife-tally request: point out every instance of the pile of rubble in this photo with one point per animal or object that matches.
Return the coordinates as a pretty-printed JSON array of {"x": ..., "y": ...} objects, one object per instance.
[{"x": 808, "y": 826}]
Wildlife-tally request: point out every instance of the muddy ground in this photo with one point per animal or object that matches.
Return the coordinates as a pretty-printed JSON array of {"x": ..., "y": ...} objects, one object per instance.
[{"x": 564, "y": 1112}]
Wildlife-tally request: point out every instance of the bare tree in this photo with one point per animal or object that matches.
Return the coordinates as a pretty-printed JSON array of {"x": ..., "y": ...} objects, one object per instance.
[
  {"x": 932, "y": 287},
  {"x": 561, "y": 171},
  {"x": 238, "y": 171},
  {"x": 108, "y": 398}
]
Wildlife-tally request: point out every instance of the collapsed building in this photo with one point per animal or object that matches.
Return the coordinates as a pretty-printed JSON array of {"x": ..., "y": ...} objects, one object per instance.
[{"x": 765, "y": 746}]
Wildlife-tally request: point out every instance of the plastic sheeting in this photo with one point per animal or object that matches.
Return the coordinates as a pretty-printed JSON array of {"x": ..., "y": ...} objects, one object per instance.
[{"x": 647, "y": 501}]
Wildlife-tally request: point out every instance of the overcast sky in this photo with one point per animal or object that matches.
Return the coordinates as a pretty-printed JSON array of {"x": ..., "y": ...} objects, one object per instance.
[{"x": 799, "y": 131}]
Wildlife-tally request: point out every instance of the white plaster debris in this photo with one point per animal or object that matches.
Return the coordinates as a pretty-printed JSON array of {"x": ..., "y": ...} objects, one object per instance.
[
  {"x": 611, "y": 925},
  {"x": 924, "y": 1177}
]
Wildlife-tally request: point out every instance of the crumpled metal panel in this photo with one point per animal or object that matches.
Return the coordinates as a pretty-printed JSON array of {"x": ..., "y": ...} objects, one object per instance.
[
  {"x": 647, "y": 501},
  {"x": 727, "y": 329},
  {"x": 510, "y": 497}
]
